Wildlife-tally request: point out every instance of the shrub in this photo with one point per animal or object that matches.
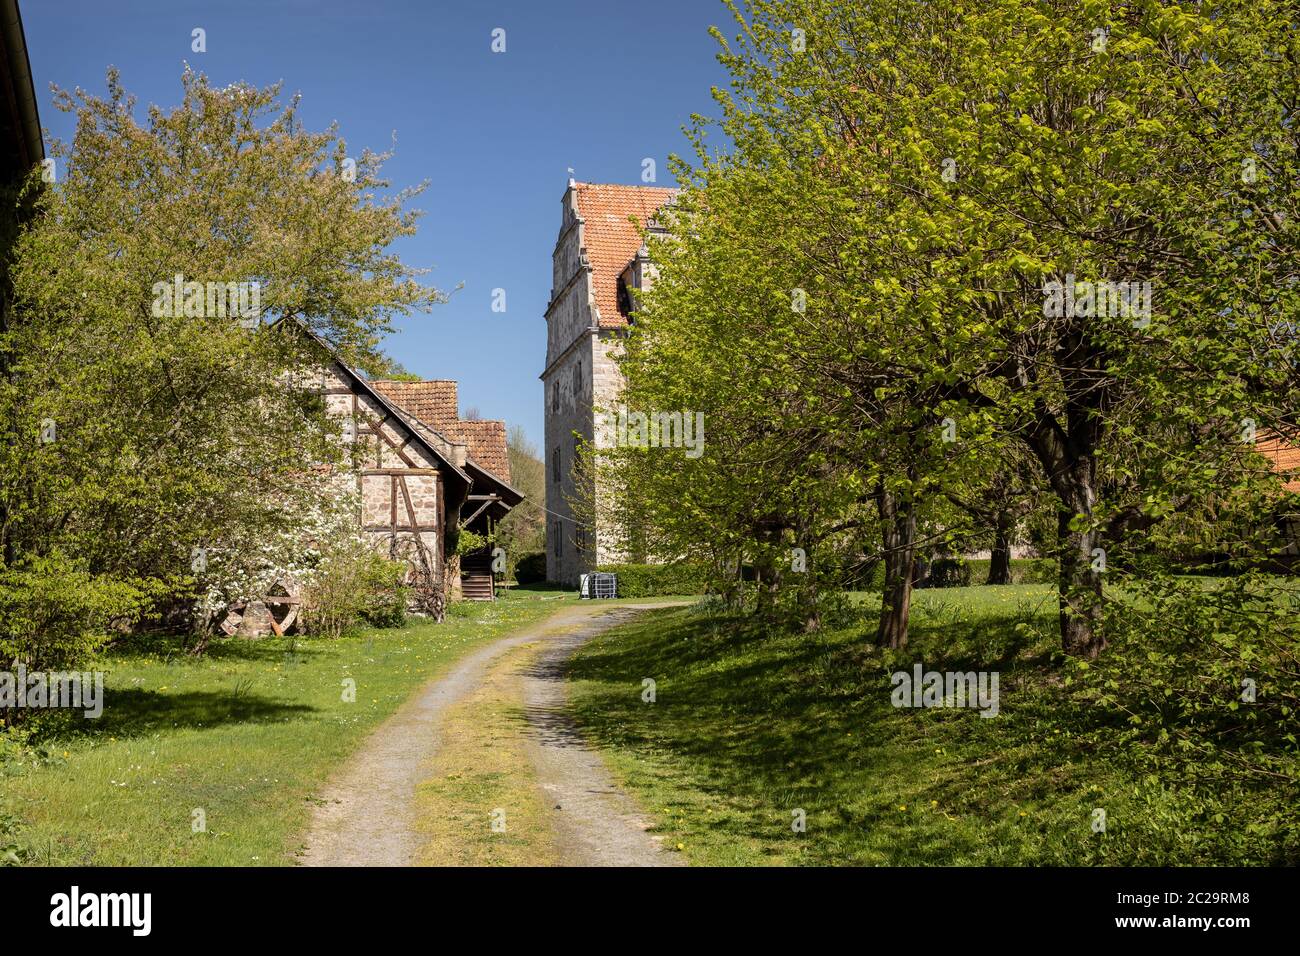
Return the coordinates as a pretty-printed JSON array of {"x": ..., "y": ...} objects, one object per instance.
[
  {"x": 56, "y": 615},
  {"x": 657, "y": 580},
  {"x": 866, "y": 575},
  {"x": 531, "y": 568},
  {"x": 352, "y": 586},
  {"x": 387, "y": 595},
  {"x": 1196, "y": 695},
  {"x": 1023, "y": 570},
  {"x": 313, "y": 524},
  {"x": 1034, "y": 571},
  {"x": 467, "y": 542},
  {"x": 949, "y": 573}
]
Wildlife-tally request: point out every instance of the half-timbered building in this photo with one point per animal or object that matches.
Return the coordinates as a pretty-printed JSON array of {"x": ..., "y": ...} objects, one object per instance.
[{"x": 422, "y": 475}]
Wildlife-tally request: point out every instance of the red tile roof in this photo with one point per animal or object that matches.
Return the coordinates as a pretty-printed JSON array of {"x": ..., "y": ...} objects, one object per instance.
[
  {"x": 1284, "y": 456},
  {"x": 486, "y": 439},
  {"x": 610, "y": 239},
  {"x": 434, "y": 403}
]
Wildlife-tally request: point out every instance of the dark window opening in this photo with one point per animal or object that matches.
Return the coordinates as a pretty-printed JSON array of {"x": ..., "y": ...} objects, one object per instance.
[{"x": 624, "y": 299}]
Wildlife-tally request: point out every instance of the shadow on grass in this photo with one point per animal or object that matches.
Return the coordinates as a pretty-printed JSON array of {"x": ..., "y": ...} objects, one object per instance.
[
  {"x": 770, "y": 721},
  {"x": 176, "y": 650},
  {"x": 133, "y": 712}
]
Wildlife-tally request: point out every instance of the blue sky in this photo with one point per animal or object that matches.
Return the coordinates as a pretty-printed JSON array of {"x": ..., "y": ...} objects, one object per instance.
[{"x": 593, "y": 85}]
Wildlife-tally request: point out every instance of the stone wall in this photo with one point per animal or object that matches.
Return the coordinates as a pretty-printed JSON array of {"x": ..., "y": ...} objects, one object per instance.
[{"x": 567, "y": 385}]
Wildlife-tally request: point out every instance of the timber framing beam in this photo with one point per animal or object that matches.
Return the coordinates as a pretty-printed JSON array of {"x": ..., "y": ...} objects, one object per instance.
[{"x": 487, "y": 502}]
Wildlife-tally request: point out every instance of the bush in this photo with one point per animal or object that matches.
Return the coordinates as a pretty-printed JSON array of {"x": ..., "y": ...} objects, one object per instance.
[
  {"x": 1034, "y": 571},
  {"x": 352, "y": 586},
  {"x": 868, "y": 575},
  {"x": 1023, "y": 570},
  {"x": 1196, "y": 696},
  {"x": 657, "y": 580},
  {"x": 949, "y": 573},
  {"x": 531, "y": 568},
  {"x": 56, "y": 615},
  {"x": 467, "y": 542},
  {"x": 386, "y": 593}
]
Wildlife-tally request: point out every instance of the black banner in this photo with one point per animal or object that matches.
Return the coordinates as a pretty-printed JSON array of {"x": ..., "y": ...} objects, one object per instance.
[{"x": 333, "y": 906}]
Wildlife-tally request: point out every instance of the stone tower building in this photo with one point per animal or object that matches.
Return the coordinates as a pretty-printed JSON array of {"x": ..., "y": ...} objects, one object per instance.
[{"x": 599, "y": 259}]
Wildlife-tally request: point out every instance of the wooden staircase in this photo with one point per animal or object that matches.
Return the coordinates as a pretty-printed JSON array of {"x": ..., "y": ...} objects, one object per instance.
[{"x": 476, "y": 582}]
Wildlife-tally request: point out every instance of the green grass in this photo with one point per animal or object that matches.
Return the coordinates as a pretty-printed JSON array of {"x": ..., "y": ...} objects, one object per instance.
[
  {"x": 750, "y": 726},
  {"x": 246, "y": 734}
]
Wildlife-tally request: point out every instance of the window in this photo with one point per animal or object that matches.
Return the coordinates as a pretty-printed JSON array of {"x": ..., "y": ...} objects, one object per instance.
[
  {"x": 580, "y": 539},
  {"x": 555, "y": 396},
  {"x": 555, "y": 464},
  {"x": 624, "y": 299},
  {"x": 577, "y": 379},
  {"x": 557, "y": 531}
]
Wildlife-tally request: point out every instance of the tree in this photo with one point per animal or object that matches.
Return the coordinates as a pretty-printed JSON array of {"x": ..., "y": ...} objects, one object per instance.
[
  {"x": 976, "y": 202},
  {"x": 150, "y": 407},
  {"x": 998, "y": 501},
  {"x": 1088, "y": 160},
  {"x": 523, "y": 530}
]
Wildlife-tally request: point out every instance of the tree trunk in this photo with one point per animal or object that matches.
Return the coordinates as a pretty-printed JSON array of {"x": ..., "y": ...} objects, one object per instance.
[
  {"x": 809, "y": 606},
  {"x": 1069, "y": 464},
  {"x": 898, "y": 531},
  {"x": 1000, "y": 558},
  {"x": 768, "y": 585},
  {"x": 1079, "y": 589}
]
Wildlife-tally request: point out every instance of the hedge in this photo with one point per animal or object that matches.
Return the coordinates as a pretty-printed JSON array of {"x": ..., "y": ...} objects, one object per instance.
[
  {"x": 1023, "y": 570},
  {"x": 949, "y": 573},
  {"x": 531, "y": 568},
  {"x": 657, "y": 580}
]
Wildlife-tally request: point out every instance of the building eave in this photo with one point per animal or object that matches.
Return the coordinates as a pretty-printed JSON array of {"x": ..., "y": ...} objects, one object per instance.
[{"x": 21, "y": 90}]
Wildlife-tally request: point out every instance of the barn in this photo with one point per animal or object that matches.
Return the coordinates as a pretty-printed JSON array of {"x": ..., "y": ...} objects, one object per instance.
[{"x": 422, "y": 474}]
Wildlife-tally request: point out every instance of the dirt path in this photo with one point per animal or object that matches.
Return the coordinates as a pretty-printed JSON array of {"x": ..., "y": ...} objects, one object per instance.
[
  {"x": 366, "y": 814},
  {"x": 596, "y": 823}
]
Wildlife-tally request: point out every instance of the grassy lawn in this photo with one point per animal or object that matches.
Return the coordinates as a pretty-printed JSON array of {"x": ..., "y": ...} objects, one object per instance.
[
  {"x": 750, "y": 727},
  {"x": 245, "y": 734}
]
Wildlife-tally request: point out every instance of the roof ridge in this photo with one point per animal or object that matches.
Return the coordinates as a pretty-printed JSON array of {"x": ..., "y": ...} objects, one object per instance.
[{"x": 422, "y": 381}]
